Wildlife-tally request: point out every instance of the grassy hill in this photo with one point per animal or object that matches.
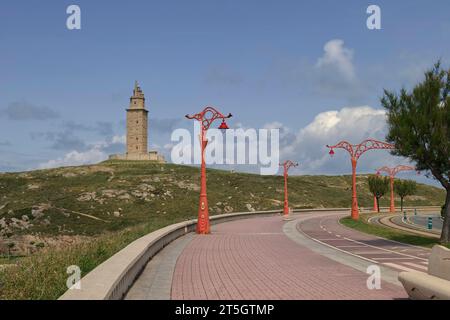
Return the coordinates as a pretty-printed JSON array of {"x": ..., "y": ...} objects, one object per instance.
[
  {"x": 63, "y": 205},
  {"x": 57, "y": 212}
]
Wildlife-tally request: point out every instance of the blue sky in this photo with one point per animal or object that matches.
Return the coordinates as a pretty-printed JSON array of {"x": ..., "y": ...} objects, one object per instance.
[{"x": 64, "y": 92}]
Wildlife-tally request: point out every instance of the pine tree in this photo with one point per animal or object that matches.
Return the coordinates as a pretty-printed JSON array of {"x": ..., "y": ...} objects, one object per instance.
[{"x": 418, "y": 122}]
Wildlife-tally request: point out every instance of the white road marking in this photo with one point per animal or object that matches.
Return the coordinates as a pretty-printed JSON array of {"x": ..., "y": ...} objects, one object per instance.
[
  {"x": 370, "y": 252},
  {"x": 375, "y": 247},
  {"x": 335, "y": 248},
  {"x": 395, "y": 258},
  {"x": 416, "y": 265},
  {"x": 399, "y": 267},
  {"x": 356, "y": 246}
]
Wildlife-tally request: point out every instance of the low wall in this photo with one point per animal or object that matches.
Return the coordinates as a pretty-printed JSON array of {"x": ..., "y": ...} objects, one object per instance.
[{"x": 112, "y": 278}]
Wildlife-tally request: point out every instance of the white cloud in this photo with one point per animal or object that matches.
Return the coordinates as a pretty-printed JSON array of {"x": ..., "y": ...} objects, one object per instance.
[
  {"x": 337, "y": 58},
  {"x": 75, "y": 158},
  {"x": 357, "y": 122},
  {"x": 168, "y": 146},
  {"x": 351, "y": 124},
  {"x": 119, "y": 139},
  {"x": 97, "y": 152},
  {"x": 273, "y": 125},
  {"x": 334, "y": 74}
]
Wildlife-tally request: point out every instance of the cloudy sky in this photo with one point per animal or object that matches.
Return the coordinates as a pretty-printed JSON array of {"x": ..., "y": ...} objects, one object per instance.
[{"x": 312, "y": 69}]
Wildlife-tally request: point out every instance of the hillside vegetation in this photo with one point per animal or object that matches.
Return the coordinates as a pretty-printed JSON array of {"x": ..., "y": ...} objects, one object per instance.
[{"x": 66, "y": 205}]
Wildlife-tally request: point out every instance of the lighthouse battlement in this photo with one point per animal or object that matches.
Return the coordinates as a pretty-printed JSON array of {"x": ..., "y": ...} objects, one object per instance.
[{"x": 137, "y": 131}]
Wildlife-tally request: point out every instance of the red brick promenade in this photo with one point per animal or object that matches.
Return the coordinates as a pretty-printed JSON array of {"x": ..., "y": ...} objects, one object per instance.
[{"x": 254, "y": 259}]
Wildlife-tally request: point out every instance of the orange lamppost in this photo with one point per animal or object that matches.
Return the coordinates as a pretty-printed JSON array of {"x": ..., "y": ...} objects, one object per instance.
[
  {"x": 355, "y": 151},
  {"x": 392, "y": 172},
  {"x": 206, "y": 118},
  {"x": 286, "y": 165}
]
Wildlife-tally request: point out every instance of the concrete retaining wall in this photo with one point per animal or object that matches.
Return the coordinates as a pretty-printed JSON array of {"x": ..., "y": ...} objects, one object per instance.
[{"x": 112, "y": 279}]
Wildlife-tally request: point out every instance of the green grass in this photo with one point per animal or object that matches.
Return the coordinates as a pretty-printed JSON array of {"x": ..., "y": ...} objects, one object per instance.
[
  {"x": 43, "y": 276},
  {"x": 389, "y": 233}
]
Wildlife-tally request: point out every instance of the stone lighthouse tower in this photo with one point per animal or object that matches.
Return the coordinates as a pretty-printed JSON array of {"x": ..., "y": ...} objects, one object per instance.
[
  {"x": 137, "y": 125},
  {"x": 137, "y": 131}
]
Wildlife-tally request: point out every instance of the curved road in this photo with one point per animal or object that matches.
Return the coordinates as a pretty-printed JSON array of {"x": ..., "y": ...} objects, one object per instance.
[
  {"x": 255, "y": 259},
  {"x": 392, "y": 254},
  {"x": 422, "y": 221},
  {"x": 413, "y": 224}
]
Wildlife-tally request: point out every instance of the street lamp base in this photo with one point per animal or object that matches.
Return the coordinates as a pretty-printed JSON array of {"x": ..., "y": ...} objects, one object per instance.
[{"x": 355, "y": 214}]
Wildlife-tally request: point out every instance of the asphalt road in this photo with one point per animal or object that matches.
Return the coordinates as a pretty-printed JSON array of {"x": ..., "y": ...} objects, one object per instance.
[
  {"x": 391, "y": 254},
  {"x": 422, "y": 221}
]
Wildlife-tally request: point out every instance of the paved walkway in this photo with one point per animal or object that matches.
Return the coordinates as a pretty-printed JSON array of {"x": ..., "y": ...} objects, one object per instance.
[
  {"x": 155, "y": 281},
  {"x": 392, "y": 254},
  {"x": 254, "y": 259}
]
